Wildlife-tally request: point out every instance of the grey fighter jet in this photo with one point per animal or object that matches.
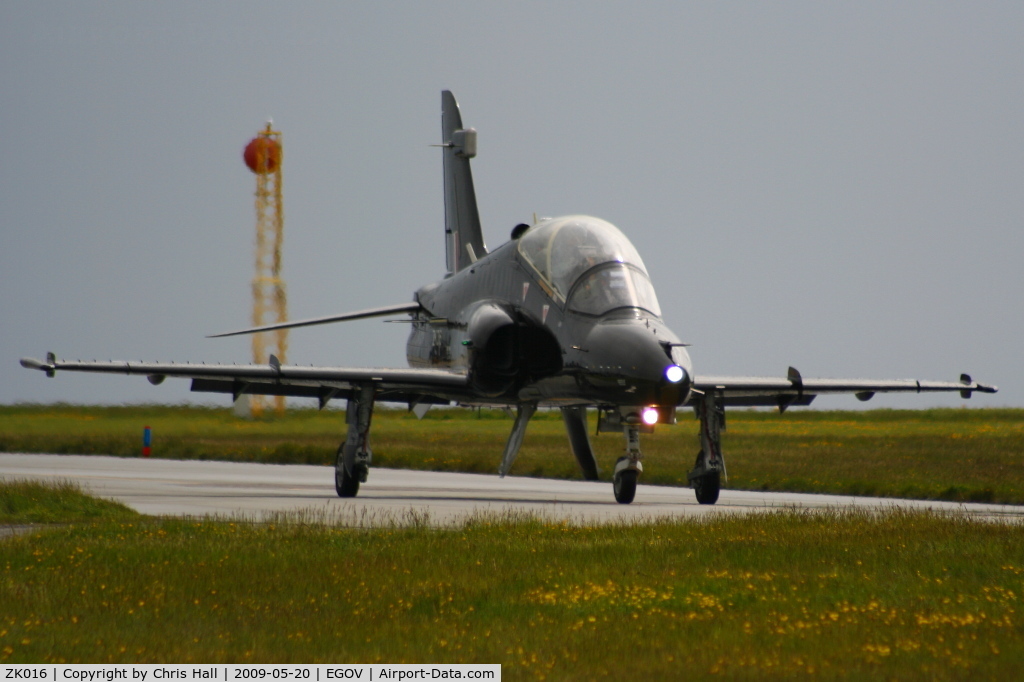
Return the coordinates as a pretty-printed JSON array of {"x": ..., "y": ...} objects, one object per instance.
[{"x": 562, "y": 315}]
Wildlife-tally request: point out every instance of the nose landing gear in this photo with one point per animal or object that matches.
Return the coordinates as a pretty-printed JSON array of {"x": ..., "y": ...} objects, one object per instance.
[{"x": 628, "y": 467}]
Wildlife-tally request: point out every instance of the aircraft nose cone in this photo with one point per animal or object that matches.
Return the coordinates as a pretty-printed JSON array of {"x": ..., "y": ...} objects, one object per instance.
[{"x": 637, "y": 351}]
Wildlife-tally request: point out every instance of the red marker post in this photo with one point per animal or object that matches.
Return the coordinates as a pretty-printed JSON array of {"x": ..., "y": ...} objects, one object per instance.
[{"x": 147, "y": 441}]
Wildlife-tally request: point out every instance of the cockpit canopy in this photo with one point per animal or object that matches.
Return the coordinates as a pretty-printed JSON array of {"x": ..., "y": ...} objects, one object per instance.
[{"x": 589, "y": 263}]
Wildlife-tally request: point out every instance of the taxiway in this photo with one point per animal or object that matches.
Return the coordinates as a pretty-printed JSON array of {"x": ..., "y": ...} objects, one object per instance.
[{"x": 258, "y": 491}]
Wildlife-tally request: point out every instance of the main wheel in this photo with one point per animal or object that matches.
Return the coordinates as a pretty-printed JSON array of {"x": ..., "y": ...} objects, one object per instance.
[
  {"x": 624, "y": 486},
  {"x": 347, "y": 486},
  {"x": 707, "y": 488}
]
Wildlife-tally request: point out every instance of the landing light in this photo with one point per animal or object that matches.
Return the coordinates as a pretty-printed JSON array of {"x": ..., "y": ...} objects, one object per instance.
[
  {"x": 650, "y": 415},
  {"x": 674, "y": 373}
]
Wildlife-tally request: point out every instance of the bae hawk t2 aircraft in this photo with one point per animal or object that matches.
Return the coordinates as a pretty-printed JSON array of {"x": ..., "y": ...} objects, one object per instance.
[{"x": 562, "y": 315}]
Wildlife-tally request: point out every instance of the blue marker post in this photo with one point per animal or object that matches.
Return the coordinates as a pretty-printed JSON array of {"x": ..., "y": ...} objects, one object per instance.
[{"x": 147, "y": 440}]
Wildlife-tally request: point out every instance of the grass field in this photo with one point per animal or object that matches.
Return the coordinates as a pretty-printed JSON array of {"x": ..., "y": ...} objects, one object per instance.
[
  {"x": 838, "y": 596},
  {"x": 31, "y": 502},
  {"x": 949, "y": 454}
]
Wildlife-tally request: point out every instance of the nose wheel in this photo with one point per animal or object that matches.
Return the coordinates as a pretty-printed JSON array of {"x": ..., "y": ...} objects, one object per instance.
[
  {"x": 624, "y": 483},
  {"x": 628, "y": 467}
]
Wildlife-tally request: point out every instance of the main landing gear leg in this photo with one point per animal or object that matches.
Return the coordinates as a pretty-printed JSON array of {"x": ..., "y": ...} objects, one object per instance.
[
  {"x": 352, "y": 463},
  {"x": 628, "y": 467},
  {"x": 709, "y": 469}
]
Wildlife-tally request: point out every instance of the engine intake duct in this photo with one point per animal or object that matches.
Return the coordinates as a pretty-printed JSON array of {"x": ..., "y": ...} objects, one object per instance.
[{"x": 508, "y": 350}]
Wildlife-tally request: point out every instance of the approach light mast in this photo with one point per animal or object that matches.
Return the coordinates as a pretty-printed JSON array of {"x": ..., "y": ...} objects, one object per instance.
[{"x": 263, "y": 155}]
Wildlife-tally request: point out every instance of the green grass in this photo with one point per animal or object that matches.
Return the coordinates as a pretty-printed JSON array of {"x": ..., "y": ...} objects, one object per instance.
[
  {"x": 950, "y": 454},
  {"x": 836, "y": 595},
  {"x": 32, "y": 502}
]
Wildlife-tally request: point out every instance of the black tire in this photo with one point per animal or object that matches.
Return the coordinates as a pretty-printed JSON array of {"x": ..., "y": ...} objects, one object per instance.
[
  {"x": 624, "y": 486},
  {"x": 347, "y": 486},
  {"x": 707, "y": 488}
]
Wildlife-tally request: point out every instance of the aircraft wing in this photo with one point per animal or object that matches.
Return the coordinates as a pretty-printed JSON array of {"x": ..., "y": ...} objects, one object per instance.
[
  {"x": 324, "y": 383},
  {"x": 344, "y": 317},
  {"x": 793, "y": 389}
]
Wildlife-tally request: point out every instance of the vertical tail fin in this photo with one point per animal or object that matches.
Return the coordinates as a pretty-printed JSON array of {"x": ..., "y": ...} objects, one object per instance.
[{"x": 464, "y": 241}]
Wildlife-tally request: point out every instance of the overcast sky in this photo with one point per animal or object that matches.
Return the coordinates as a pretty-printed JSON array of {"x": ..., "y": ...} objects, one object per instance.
[{"x": 833, "y": 186}]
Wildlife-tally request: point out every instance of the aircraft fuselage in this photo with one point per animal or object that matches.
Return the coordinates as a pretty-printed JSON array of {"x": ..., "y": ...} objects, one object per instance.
[{"x": 505, "y": 324}]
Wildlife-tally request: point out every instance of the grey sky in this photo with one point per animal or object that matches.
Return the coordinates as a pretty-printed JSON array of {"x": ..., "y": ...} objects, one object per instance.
[{"x": 837, "y": 187}]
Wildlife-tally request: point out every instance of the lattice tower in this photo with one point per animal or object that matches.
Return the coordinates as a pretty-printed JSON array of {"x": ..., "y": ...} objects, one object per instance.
[{"x": 269, "y": 301}]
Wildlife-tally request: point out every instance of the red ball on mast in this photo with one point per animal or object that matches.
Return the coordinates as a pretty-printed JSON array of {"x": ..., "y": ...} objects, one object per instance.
[{"x": 262, "y": 155}]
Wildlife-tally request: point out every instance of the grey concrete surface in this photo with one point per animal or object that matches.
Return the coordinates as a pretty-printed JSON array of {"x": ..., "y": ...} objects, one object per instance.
[{"x": 257, "y": 491}]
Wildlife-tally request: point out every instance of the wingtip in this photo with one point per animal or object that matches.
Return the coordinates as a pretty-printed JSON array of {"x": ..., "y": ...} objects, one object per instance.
[
  {"x": 48, "y": 366},
  {"x": 978, "y": 388},
  {"x": 971, "y": 386}
]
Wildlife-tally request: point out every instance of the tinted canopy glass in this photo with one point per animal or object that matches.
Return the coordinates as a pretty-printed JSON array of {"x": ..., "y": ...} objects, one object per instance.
[
  {"x": 611, "y": 286},
  {"x": 562, "y": 249}
]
